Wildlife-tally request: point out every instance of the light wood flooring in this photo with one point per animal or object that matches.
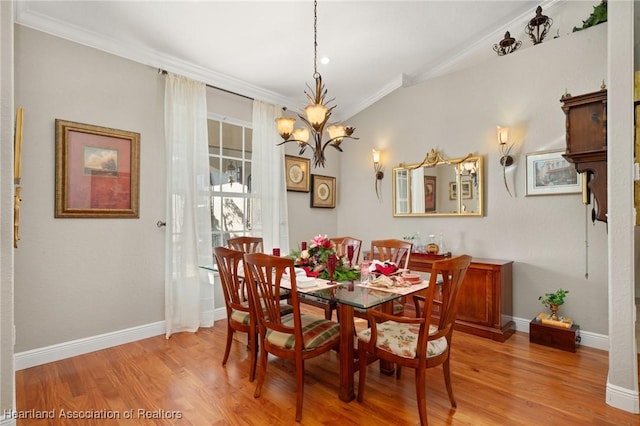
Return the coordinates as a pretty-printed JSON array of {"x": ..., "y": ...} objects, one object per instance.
[{"x": 511, "y": 383}]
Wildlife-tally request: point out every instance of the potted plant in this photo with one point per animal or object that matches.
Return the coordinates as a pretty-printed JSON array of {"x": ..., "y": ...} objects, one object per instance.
[{"x": 553, "y": 301}]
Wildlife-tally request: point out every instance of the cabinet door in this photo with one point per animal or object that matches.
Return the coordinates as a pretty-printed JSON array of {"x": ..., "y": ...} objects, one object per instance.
[{"x": 476, "y": 295}]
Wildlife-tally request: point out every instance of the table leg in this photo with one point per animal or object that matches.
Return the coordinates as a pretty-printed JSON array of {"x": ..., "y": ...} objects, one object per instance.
[{"x": 346, "y": 392}]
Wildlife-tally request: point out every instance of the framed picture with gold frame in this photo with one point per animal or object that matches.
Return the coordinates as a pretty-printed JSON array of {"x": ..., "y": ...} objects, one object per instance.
[
  {"x": 297, "y": 173},
  {"x": 323, "y": 191},
  {"x": 97, "y": 171}
]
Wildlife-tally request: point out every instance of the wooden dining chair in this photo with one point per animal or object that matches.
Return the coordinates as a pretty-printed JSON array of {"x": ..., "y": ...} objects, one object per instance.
[
  {"x": 246, "y": 244},
  {"x": 341, "y": 247},
  {"x": 252, "y": 245},
  {"x": 295, "y": 336},
  {"x": 239, "y": 316},
  {"x": 392, "y": 250},
  {"x": 341, "y": 251},
  {"x": 420, "y": 342}
]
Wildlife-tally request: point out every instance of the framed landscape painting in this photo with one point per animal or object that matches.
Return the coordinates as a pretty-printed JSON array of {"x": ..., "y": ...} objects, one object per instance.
[
  {"x": 548, "y": 173},
  {"x": 97, "y": 171}
]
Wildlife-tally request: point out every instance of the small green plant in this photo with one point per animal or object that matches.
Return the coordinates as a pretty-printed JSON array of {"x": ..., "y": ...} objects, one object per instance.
[
  {"x": 556, "y": 298},
  {"x": 598, "y": 16}
]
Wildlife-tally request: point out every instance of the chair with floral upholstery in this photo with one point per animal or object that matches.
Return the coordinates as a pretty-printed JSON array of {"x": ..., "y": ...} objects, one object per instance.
[
  {"x": 295, "y": 336},
  {"x": 420, "y": 342}
]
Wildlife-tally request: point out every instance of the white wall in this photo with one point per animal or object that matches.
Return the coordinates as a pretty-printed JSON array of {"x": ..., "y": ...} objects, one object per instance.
[{"x": 457, "y": 114}]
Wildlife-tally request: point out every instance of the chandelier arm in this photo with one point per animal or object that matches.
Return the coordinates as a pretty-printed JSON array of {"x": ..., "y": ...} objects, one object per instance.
[{"x": 299, "y": 142}]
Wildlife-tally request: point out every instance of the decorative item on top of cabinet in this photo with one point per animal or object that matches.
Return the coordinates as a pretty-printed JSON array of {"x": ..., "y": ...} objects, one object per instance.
[{"x": 586, "y": 139}]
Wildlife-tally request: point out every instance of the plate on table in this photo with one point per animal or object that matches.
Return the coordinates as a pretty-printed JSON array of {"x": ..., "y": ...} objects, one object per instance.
[
  {"x": 412, "y": 278},
  {"x": 305, "y": 282}
]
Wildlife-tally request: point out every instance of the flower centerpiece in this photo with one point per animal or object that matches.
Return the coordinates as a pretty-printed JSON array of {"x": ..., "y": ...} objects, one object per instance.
[{"x": 314, "y": 260}]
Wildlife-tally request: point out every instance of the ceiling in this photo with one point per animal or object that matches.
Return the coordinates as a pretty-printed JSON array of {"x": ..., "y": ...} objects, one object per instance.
[{"x": 264, "y": 49}]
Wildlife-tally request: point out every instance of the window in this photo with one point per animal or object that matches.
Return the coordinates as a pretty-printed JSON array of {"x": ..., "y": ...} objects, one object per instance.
[{"x": 230, "y": 146}]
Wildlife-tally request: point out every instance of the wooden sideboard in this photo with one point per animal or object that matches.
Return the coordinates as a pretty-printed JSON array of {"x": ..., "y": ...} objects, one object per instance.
[{"x": 485, "y": 307}]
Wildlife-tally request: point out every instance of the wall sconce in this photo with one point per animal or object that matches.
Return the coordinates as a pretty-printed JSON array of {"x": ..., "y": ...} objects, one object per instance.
[
  {"x": 506, "y": 160},
  {"x": 377, "y": 166}
]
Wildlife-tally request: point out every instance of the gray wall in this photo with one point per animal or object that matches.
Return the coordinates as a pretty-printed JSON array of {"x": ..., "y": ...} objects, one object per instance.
[
  {"x": 108, "y": 274},
  {"x": 458, "y": 114},
  {"x": 77, "y": 278}
]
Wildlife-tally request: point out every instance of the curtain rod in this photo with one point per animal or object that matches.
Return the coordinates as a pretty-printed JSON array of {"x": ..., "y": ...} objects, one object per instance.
[{"x": 165, "y": 72}]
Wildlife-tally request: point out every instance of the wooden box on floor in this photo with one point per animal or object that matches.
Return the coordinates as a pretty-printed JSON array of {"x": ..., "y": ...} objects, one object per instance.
[{"x": 566, "y": 339}]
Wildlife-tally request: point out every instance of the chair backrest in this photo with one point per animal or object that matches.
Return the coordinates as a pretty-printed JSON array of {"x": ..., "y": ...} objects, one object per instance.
[
  {"x": 265, "y": 273},
  {"x": 393, "y": 250},
  {"x": 229, "y": 262},
  {"x": 452, "y": 272},
  {"x": 343, "y": 242},
  {"x": 246, "y": 244}
]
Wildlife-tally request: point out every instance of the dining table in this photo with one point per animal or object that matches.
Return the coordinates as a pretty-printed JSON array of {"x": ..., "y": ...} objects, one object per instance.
[{"x": 349, "y": 296}]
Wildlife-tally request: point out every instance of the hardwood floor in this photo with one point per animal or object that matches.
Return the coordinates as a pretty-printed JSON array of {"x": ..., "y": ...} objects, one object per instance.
[{"x": 182, "y": 381}]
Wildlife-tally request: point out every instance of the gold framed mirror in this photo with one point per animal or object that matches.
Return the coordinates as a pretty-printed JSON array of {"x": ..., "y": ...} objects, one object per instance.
[{"x": 441, "y": 187}]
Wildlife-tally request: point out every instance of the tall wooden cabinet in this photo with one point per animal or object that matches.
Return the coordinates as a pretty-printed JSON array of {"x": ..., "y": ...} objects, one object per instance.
[{"x": 485, "y": 307}]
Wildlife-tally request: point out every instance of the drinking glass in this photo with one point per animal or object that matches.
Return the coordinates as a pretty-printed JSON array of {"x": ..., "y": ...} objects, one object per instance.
[
  {"x": 332, "y": 262},
  {"x": 303, "y": 245},
  {"x": 276, "y": 252},
  {"x": 350, "y": 249},
  {"x": 364, "y": 271}
]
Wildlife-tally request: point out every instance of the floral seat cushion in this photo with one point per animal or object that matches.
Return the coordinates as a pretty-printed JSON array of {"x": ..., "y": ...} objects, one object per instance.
[
  {"x": 402, "y": 339},
  {"x": 315, "y": 332}
]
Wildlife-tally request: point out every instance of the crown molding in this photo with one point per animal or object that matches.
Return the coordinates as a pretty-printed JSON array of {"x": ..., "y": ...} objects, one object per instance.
[{"x": 28, "y": 18}]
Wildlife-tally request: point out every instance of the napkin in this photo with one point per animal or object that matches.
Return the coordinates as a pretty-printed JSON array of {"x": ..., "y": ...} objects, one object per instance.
[
  {"x": 300, "y": 272},
  {"x": 384, "y": 268},
  {"x": 309, "y": 272}
]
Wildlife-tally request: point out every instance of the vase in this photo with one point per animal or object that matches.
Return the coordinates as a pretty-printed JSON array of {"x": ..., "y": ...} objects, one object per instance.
[{"x": 554, "y": 311}]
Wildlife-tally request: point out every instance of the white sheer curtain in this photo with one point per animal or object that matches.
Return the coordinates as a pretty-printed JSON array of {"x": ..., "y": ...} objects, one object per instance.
[
  {"x": 268, "y": 182},
  {"x": 188, "y": 238},
  {"x": 417, "y": 190}
]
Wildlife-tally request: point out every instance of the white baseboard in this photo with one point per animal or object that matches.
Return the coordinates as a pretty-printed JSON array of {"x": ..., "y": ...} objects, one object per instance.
[
  {"x": 64, "y": 350},
  {"x": 623, "y": 399},
  {"x": 8, "y": 420},
  {"x": 592, "y": 340}
]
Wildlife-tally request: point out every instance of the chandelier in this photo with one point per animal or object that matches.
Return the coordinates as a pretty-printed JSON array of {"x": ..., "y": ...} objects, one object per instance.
[{"x": 317, "y": 115}]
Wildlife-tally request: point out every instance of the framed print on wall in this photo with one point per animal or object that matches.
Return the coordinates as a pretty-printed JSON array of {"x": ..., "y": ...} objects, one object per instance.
[
  {"x": 323, "y": 191},
  {"x": 97, "y": 171},
  {"x": 467, "y": 190},
  {"x": 548, "y": 173},
  {"x": 297, "y": 173},
  {"x": 429, "y": 193}
]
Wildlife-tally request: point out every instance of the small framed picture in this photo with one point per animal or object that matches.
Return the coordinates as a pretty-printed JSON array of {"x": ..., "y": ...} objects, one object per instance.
[
  {"x": 467, "y": 190},
  {"x": 297, "y": 173},
  {"x": 97, "y": 171},
  {"x": 548, "y": 173},
  {"x": 323, "y": 191},
  {"x": 429, "y": 193}
]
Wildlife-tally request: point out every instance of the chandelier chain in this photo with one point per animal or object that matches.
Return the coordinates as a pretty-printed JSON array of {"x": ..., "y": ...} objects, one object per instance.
[{"x": 315, "y": 38}]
